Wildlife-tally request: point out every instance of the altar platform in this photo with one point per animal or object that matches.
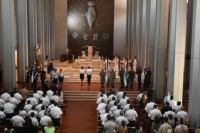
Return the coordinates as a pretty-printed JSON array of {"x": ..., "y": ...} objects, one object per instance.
[{"x": 71, "y": 70}]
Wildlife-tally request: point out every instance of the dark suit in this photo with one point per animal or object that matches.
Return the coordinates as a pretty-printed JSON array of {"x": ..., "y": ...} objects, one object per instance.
[
  {"x": 54, "y": 89},
  {"x": 149, "y": 78},
  {"x": 35, "y": 76},
  {"x": 139, "y": 72}
]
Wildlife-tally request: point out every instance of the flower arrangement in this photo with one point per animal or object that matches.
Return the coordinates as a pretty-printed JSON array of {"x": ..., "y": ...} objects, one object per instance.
[{"x": 88, "y": 59}]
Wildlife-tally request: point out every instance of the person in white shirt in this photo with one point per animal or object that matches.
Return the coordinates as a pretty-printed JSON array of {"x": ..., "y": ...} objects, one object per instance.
[
  {"x": 101, "y": 106},
  {"x": 178, "y": 107},
  {"x": 5, "y": 96},
  {"x": 38, "y": 107},
  {"x": 101, "y": 97},
  {"x": 56, "y": 113},
  {"x": 120, "y": 119},
  {"x": 32, "y": 100},
  {"x": 139, "y": 96},
  {"x": 81, "y": 75},
  {"x": 13, "y": 100},
  {"x": 110, "y": 97},
  {"x": 117, "y": 112},
  {"x": 33, "y": 109},
  {"x": 34, "y": 120},
  {"x": 111, "y": 104},
  {"x": 9, "y": 109},
  {"x": 45, "y": 120},
  {"x": 120, "y": 94},
  {"x": 51, "y": 105},
  {"x": 2, "y": 117},
  {"x": 55, "y": 77},
  {"x": 126, "y": 107},
  {"x": 2, "y": 102},
  {"x": 135, "y": 64},
  {"x": 36, "y": 96},
  {"x": 114, "y": 108},
  {"x": 172, "y": 103},
  {"x": 154, "y": 112},
  {"x": 28, "y": 106},
  {"x": 166, "y": 114},
  {"x": 181, "y": 127},
  {"x": 18, "y": 97},
  {"x": 61, "y": 77},
  {"x": 131, "y": 115},
  {"x": 149, "y": 106},
  {"x": 104, "y": 117},
  {"x": 18, "y": 122},
  {"x": 49, "y": 93},
  {"x": 42, "y": 112},
  {"x": 45, "y": 100},
  {"x": 55, "y": 98},
  {"x": 181, "y": 114},
  {"x": 23, "y": 113},
  {"x": 60, "y": 94},
  {"x": 39, "y": 92},
  {"x": 123, "y": 102},
  {"x": 89, "y": 74}
]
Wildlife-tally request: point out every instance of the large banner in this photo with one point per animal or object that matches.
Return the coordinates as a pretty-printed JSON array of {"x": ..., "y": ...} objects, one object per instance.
[{"x": 90, "y": 23}]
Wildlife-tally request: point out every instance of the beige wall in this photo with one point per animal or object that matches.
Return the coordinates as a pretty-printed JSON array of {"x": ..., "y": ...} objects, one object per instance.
[
  {"x": 120, "y": 27},
  {"x": 60, "y": 27}
]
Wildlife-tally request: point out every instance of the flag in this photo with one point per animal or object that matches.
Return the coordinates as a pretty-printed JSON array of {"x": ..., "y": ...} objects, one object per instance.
[
  {"x": 125, "y": 78},
  {"x": 106, "y": 77},
  {"x": 32, "y": 77}
]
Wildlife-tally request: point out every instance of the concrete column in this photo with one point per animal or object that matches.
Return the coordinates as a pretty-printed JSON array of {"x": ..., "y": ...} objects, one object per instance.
[
  {"x": 142, "y": 51},
  {"x": 150, "y": 34},
  {"x": 176, "y": 51},
  {"x": 160, "y": 49},
  {"x": 52, "y": 29},
  {"x": 47, "y": 27},
  {"x": 22, "y": 38},
  {"x": 194, "y": 91},
  {"x": 32, "y": 30},
  {"x": 40, "y": 28},
  {"x": 8, "y": 43}
]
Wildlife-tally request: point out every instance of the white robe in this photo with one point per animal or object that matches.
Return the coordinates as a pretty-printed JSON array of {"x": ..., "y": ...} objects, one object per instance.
[
  {"x": 116, "y": 64},
  {"x": 106, "y": 64}
]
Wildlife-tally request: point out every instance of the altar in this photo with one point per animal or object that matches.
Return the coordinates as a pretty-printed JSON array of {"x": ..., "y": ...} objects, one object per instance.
[{"x": 93, "y": 63}]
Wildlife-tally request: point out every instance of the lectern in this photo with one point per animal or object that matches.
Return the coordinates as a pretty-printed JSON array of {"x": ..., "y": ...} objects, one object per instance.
[{"x": 90, "y": 51}]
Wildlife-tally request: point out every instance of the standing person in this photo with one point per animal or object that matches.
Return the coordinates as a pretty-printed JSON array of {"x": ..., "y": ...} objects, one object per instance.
[
  {"x": 149, "y": 77},
  {"x": 1, "y": 76},
  {"x": 27, "y": 75},
  {"x": 42, "y": 76},
  {"x": 55, "y": 77},
  {"x": 102, "y": 78},
  {"x": 116, "y": 63},
  {"x": 35, "y": 78},
  {"x": 82, "y": 75},
  {"x": 61, "y": 77},
  {"x": 49, "y": 128},
  {"x": 110, "y": 126},
  {"x": 106, "y": 64},
  {"x": 121, "y": 74},
  {"x": 124, "y": 61},
  {"x": 24, "y": 92},
  {"x": 135, "y": 64},
  {"x": 145, "y": 78},
  {"x": 139, "y": 73},
  {"x": 131, "y": 77},
  {"x": 113, "y": 77},
  {"x": 89, "y": 74}
]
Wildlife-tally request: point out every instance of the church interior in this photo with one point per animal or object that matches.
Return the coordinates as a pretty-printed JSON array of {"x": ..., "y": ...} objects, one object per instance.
[{"x": 99, "y": 66}]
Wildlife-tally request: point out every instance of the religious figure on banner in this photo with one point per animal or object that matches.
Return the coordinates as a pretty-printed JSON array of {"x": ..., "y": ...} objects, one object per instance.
[
  {"x": 116, "y": 63},
  {"x": 95, "y": 37},
  {"x": 85, "y": 37},
  {"x": 91, "y": 14},
  {"x": 106, "y": 36},
  {"x": 75, "y": 35}
]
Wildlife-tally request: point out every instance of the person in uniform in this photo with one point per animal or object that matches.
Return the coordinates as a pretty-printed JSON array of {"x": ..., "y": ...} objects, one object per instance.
[
  {"x": 131, "y": 77},
  {"x": 27, "y": 75},
  {"x": 139, "y": 73},
  {"x": 113, "y": 77},
  {"x": 89, "y": 75},
  {"x": 82, "y": 75},
  {"x": 35, "y": 78},
  {"x": 1, "y": 76},
  {"x": 42, "y": 76},
  {"x": 56, "y": 77},
  {"x": 102, "y": 78},
  {"x": 149, "y": 77},
  {"x": 121, "y": 74},
  {"x": 116, "y": 63},
  {"x": 61, "y": 77}
]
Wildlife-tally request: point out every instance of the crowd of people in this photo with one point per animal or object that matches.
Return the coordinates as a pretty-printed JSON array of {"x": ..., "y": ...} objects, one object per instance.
[
  {"x": 22, "y": 113},
  {"x": 117, "y": 113}
]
